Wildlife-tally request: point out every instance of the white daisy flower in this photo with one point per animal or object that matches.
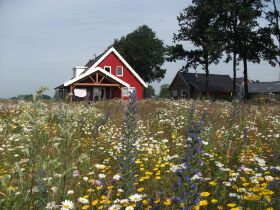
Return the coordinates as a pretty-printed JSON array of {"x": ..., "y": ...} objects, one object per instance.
[
  {"x": 100, "y": 166},
  {"x": 67, "y": 204},
  {"x": 83, "y": 200},
  {"x": 116, "y": 177},
  {"x": 70, "y": 192},
  {"x": 115, "y": 207},
  {"x": 51, "y": 205},
  {"x": 135, "y": 198},
  {"x": 102, "y": 176}
]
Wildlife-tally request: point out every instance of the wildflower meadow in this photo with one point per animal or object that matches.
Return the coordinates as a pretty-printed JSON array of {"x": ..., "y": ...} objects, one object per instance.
[{"x": 150, "y": 154}]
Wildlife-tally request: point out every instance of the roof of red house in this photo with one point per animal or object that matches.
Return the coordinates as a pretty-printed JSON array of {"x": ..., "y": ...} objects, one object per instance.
[{"x": 93, "y": 64}]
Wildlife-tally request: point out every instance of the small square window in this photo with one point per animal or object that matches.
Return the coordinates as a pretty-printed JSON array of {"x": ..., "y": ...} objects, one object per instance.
[
  {"x": 126, "y": 91},
  {"x": 119, "y": 71},
  {"x": 107, "y": 68},
  {"x": 183, "y": 93}
]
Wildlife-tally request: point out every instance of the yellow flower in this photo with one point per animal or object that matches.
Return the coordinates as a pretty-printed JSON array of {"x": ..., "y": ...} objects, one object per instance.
[
  {"x": 85, "y": 207},
  {"x": 158, "y": 177},
  {"x": 103, "y": 197},
  {"x": 167, "y": 202},
  {"x": 220, "y": 207},
  {"x": 204, "y": 194},
  {"x": 90, "y": 190},
  {"x": 100, "y": 207},
  {"x": 203, "y": 203},
  {"x": 110, "y": 187},
  {"x": 231, "y": 205},
  {"x": 214, "y": 201},
  {"x": 141, "y": 189},
  {"x": 145, "y": 202},
  {"x": 95, "y": 202},
  {"x": 213, "y": 183}
]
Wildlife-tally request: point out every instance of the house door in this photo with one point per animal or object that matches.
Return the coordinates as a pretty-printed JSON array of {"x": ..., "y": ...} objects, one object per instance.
[{"x": 99, "y": 93}]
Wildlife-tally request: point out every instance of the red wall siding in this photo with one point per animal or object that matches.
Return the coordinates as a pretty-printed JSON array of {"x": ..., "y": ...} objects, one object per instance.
[{"x": 113, "y": 61}]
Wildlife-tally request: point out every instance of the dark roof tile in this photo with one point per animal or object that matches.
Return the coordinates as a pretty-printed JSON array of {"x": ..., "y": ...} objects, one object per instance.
[
  {"x": 217, "y": 83},
  {"x": 265, "y": 87}
]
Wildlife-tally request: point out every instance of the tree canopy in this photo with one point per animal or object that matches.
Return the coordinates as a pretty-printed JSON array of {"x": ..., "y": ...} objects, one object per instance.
[
  {"x": 197, "y": 26},
  {"x": 233, "y": 27},
  {"x": 144, "y": 51},
  {"x": 149, "y": 92},
  {"x": 164, "y": 91}
]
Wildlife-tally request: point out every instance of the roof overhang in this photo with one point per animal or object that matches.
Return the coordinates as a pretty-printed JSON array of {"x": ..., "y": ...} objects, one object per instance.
[{"x": 93, "y": 70}]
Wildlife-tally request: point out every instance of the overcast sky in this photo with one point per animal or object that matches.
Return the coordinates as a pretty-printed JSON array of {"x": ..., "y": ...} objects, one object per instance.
[{"x": 41, "y": 40}]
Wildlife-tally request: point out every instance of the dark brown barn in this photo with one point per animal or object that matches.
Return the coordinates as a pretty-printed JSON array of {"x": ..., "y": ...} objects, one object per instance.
[{"x": 192, "y": 85}]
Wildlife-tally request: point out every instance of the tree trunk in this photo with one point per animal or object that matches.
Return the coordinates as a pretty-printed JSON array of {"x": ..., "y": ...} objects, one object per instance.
[
  {"x": 277, "y": 26},
  {"x": 276, "y": 21},
  {"x": 246, "y": 91},
  {"x": 207, "y": 76},
  {"x": 234, "y": 76},
  {"x": 234, "y": 54}
]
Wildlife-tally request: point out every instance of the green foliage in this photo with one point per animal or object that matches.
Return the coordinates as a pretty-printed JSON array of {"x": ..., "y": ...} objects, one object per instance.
[
  {"x": 242, "y": 34},
  {"x": 144, "y": 51},
  {"x": 164, "y": 91},
  {"x": 197, "y": 25},
  {"x": 273, "y": 17},
  {"x": 149, "y": 92}
]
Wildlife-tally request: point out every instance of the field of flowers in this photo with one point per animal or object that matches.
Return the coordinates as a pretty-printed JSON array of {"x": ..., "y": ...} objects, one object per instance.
[{"x": 153, "y": 154}]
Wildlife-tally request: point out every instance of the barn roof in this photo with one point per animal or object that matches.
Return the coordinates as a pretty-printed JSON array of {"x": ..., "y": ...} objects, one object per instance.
[
  {"x": 217, "y": 83},
  {"x": 265, "y": 87}
]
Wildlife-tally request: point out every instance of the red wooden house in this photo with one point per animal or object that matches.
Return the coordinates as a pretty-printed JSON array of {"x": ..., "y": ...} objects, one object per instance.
[{"x": 105, "y": 77}]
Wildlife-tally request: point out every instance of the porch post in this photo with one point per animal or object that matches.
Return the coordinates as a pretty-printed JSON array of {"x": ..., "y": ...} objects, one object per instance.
[{"x": 71, "y": 93}]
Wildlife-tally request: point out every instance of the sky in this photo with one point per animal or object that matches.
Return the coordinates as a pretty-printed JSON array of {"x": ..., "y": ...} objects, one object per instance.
[{"x": 42, "y": 40}]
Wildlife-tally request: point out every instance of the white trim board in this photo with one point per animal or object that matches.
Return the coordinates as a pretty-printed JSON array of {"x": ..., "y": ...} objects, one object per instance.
[{"x": 92, "y": 70}]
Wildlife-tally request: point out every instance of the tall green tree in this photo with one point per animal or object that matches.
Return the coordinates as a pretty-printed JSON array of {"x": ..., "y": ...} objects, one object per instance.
[
  {"x": 253, "y": 43},
  {"x": 164, "y": 91},
  {"x": 273, "y": 17},
  {"x": 243, "y": 38},
  {"x": 198, "y": 26},
  {"x": 144, "y": 51},
  {"x": 149, "y": 92},
  {"x": 227, "y": 21}
]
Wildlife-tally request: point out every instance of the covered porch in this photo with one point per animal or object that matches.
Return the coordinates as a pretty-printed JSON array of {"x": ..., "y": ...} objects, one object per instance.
[{"x": 99, "y": 85}]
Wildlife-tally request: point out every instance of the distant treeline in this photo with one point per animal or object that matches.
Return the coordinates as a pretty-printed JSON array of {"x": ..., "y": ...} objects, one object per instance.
[{"x": 29, "y": 97}]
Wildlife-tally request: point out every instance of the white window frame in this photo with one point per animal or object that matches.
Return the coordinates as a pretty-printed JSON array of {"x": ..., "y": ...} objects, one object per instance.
[
  {"x": 182, "y": 91},
  {"x": 108, "y": 67},
  {"x": 129, "y": 89},
  {"x": 120, "y": 75}
]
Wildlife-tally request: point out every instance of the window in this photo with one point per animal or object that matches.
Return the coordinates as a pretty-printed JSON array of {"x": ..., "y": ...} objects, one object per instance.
[
  {"x": 119, "y": 70},
  {"x": 107, "y": 68},
  {"x": 183, "y": 93},
  {"x": 174, "y": 93},
  {"x": 126, "y": 90}
]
